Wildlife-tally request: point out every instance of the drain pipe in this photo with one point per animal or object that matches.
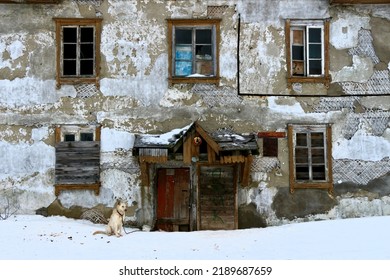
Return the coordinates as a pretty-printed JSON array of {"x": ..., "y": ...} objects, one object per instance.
[{"x": 238, "y": 53}]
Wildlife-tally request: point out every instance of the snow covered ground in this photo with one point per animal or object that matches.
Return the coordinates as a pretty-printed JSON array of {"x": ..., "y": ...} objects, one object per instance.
[
  {"x": 33, "y": 237},
  {"x": 46, "y": 238}
]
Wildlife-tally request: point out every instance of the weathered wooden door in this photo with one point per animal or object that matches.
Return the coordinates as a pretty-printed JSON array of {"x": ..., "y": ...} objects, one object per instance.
[
  {"x": 217, "y": 207},
  {"x": 173, "y": 199}
]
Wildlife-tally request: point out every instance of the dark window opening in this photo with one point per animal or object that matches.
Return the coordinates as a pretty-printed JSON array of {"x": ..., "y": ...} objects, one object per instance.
[
  {"x": 270, "y": 147},
  {"x": 86, "y": 136},
  {"x": 78, "y": 51},
  {"x": 69, "y": 137},
  {"x": 310, "y": 156}
]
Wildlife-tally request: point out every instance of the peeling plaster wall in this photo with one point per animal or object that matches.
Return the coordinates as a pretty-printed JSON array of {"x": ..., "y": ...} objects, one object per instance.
[{"x": 135, "y": 97}]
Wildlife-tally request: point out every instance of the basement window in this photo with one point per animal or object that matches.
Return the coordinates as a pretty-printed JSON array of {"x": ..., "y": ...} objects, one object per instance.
[
  {"x": 310, "y": 156},
  {"x": 77, "y": 158},
  {"x": 193, "y": 51},
  {"x": 307, "y": 44},
  {"x": 78, "y": 51}
]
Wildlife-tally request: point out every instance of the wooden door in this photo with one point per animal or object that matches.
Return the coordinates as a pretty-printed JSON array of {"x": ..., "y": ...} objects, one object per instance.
[
  {"x": 217, "y": 207},
  {"x": 173, "y": 199}
]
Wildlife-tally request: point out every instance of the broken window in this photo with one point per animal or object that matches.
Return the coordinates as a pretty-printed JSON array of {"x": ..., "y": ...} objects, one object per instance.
[
  {"x": 77, "y": 158},
  {"x": 193, "y": 51},
  {"x": 307, "y": 53},
  {"x": 310, "y": 156},
  {"x": 78, "y": 50}
]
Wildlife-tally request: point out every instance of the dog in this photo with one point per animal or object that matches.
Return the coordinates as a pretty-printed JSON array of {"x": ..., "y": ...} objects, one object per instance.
[{"x": 117, "y": 218}]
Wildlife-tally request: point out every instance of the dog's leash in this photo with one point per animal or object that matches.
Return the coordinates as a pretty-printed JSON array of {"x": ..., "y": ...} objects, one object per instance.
[{"x": 130, "y": 231}]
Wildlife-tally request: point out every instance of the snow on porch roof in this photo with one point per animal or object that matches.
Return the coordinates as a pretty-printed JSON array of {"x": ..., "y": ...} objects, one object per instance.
[
  {"x": 165, "y": 140},
  {"x": 226, "y": 140}
]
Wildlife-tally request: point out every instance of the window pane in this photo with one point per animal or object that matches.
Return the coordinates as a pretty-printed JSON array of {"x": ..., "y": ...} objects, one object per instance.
[
  {"x": 69, "y": 67},
  {"x": 298, "y": 68},
  {"x": 302, "y": 172},
  {"x": 184, "y": 53},
  {"x": 315, "y": 67},
  {"x": 204, "y": 67},
  {"x": 183, "y": 68},
  {"x": 183, "y": 36},
  {"x": 298, "y": 53},
  {"x": 69, "y": 34},
  {"x": 203, "y": 36},
  {"x": 86, "y": 51},
  {"x": 301, "y": 139},
  {"x": 318, "y": 156},
  {"x": 301, "y": 155},
  {"x": 86, "y": 34},
  {"x": 315, "y": 35},
  {"x": 86, "y": 67},
  {"x": 315, "y": 51},
  {"x": 69, "y": 137},
  {"x": 317, "y": 139},
  {"x": 298, "y": 37},
  {"x": 69, "y": 51},
  {"x": 319, "y": 172},
  {"x": 203, "y": 52},
  {"x": 86, "y": 136}
]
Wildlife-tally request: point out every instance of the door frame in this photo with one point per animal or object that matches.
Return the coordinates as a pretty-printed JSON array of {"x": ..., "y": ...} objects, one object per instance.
[
  {"x": 190, "y": 196},
  {"x": 235, "y": 189}
]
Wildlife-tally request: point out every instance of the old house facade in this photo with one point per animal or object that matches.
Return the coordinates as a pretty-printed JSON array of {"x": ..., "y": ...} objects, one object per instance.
[{"x": 215, "y": 114}]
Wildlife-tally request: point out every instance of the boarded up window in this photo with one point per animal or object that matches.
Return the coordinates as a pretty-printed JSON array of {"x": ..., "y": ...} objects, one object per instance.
[
  {"x": 77, "y": 162},
  {"x": 77, "y": 158}
]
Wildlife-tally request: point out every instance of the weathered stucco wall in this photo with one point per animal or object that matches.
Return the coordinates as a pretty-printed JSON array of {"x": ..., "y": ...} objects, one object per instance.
[{"x": 135, "y": 97}]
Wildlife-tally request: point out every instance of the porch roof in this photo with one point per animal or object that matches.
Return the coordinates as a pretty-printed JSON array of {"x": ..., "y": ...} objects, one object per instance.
[{"x": 220, "y": 140}]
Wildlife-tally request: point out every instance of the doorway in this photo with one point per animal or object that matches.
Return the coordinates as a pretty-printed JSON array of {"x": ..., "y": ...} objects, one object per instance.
[{"x": 173, "y": 199}]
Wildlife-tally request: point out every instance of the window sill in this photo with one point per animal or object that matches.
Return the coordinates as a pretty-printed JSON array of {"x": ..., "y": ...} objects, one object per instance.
[
  {"x": 315, "y": 80},
  {"x": 77, "y": 81},
  {"x": 311, "y": 185},
  {"x": 193, "y": 80},
  {"x": 94, "y": 187}
]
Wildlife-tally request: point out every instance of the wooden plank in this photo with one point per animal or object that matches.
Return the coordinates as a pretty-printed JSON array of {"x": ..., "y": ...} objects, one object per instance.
[
  {"x": 211, "y": 156},
  {"x": 210, "y": 141},
  {"x": 291, "y": 157},
  {"x": 61, "y": 187},
  {"x": 58, "y": 134},
  {"x": 217, "y": 198},
  {"x": 144, "y": 173},
  {"x": 246, "y": 170},
  {"x": 329, "y": 158},
  {"x": 77, "y": 163},
  {"x": 187, "y": 146},
  {"x": 78, "y": 144},
  {"x": 271, "y": 134}
]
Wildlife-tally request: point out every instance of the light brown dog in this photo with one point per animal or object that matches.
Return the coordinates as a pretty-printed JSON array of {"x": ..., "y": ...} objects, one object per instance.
[{"x": 117, "y": 218}]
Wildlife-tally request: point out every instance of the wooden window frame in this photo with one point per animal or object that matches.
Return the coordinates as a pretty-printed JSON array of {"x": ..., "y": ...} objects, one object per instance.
[
  {"x": 60, "y": 132},
  {"x": 324, "y": 78},
  {"x": 78, "y": 79},
  {"x": 314, "y": 184},
  {"x": 193, "y": 23}
]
